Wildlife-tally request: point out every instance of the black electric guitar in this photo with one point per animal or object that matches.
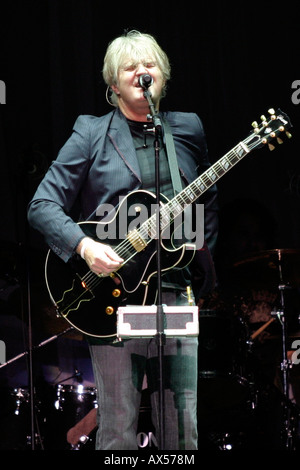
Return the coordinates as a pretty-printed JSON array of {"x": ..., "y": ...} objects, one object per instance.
[{"x": 89, "y": 302}]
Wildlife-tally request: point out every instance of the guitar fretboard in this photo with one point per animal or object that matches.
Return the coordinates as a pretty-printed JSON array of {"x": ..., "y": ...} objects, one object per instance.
[
  {"x": 168, "y": 212},
  {"x": 172, "y": 209}
]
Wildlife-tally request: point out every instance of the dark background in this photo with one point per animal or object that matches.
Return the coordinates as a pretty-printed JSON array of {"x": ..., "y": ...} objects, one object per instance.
[{"x": 231, "y": 62}]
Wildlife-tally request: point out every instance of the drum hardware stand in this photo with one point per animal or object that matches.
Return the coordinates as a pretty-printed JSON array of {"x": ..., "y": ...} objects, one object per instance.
[{"x": 289, "y": 428}]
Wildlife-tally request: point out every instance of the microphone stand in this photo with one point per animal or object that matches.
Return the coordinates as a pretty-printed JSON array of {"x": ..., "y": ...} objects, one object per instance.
[
  {"x": 160, "y": 335},
  {"x": 34, "y": 348}
]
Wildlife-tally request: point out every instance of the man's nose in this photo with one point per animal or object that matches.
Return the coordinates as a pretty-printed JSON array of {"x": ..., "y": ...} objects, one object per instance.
[{"x": 141, "y": 68}]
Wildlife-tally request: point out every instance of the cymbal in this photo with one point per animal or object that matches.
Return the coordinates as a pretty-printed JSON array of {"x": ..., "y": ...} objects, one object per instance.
[{"x": 269, "y": 268}]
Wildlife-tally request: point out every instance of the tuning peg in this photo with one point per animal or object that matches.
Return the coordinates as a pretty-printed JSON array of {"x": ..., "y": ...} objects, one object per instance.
[
  {"x": 263, "y": 118},
  {"x": 255, "y": 127},
  {"x": 279, "y": 140},
  {"x": 271, "y": 147},
  {"x": 288, "y": 135},
  {"x": 272, "y": 113}
]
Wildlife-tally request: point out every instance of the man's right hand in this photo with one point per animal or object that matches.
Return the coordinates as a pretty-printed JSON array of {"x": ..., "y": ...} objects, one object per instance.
[{"x": 100, "y": 258}]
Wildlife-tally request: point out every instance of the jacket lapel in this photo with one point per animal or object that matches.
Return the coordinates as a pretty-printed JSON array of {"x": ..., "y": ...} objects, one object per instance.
[{"x": 121, "y": 139}]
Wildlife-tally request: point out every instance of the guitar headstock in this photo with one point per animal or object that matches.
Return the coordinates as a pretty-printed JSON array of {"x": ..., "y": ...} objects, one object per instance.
[{"x": 277, "y": 124}]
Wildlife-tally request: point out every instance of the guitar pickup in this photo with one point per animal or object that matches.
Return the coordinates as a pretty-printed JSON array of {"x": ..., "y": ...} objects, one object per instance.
[{"x": 136, "y": 240}]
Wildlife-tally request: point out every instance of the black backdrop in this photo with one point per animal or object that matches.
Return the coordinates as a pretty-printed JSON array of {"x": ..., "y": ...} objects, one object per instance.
[{"x": 231, "y": 62}]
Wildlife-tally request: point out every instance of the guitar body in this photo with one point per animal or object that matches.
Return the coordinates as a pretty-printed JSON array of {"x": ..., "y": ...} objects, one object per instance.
[{"x": 89, "y": 303}]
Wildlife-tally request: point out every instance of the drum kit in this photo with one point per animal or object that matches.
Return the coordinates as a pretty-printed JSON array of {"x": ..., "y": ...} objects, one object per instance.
[
  {"x": 64, "y": 413},
  {"x": 235, "y": 380},
  {"x": 60, "y": 412},
  {"x": 249, "y": 339}
]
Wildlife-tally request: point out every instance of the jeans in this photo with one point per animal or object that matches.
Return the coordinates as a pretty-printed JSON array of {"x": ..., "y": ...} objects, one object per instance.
[{"x": 119, "y": 370}]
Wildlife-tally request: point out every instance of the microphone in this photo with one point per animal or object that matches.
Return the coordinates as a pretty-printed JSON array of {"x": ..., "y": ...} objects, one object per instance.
[{"x": 145, "y": 81}]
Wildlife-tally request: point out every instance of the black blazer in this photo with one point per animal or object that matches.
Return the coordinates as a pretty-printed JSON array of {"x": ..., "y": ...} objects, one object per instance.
[{"x": 98, "y": 164}]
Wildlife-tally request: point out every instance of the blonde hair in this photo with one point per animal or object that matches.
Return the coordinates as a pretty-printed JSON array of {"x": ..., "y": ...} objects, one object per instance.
[{"x": 138, "y": 47}]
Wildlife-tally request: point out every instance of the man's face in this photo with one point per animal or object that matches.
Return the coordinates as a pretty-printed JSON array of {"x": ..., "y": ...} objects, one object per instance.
[{"x": 129, "y": 91}]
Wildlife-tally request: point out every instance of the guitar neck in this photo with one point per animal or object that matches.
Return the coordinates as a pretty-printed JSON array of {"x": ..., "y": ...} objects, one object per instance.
[
  {"x": 172, "y": 209},
  {"x": 262, "y": 134},
  {"x": 192, "y": 192}
]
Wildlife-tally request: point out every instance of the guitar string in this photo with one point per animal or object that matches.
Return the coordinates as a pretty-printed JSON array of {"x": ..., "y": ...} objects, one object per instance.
[
  {"x": 147, "y": 227},
  {"x": 206, "y": 180},
  {"x": 218, "y": 169}
]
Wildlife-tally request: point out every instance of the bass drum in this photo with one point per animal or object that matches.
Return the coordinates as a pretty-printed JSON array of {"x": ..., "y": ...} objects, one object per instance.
[
  {"x": 226, "y": 397},
  {"x": 222, "y": 360}
]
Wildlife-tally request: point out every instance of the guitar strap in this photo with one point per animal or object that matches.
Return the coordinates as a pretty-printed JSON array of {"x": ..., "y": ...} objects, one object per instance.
[{"x": 172, "y": 159}]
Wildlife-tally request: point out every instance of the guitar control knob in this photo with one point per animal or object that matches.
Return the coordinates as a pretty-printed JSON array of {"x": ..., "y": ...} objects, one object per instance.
[
  {"x": 109, "y": 310},
  {"x": 116, "y": 292}
]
